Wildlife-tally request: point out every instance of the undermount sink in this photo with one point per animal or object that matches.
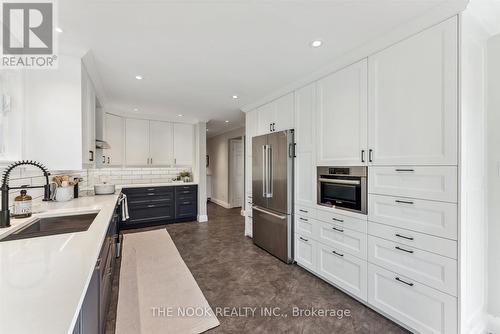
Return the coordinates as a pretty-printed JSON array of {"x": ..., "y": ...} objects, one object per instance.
[{"x": 45, "y": 226}]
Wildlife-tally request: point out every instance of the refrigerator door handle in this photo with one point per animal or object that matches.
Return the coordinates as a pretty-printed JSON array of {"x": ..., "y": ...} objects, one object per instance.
[
  {"x": 264, "y": 170},
  {"x": 282, "y": 217},
  {"x": 269, "y": 171}
]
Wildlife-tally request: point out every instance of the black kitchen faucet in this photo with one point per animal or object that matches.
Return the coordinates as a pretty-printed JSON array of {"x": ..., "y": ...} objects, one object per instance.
[{"x": 5, "y": 213}]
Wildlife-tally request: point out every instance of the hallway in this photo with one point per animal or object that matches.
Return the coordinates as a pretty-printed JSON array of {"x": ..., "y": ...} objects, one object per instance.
[{"x": 236, "y": 276}]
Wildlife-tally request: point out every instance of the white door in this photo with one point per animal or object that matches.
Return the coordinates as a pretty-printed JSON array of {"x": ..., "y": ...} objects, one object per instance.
[
  {"x": 413, "y": 99},
  {"x": 342, "y": 117},
  {"x": 236, "y": 174},
  {"x": 183, "y": 144},
  {"x": 115, "y": 137},
  {"x": 267, "y": 116},
  {"x": 136, "y": 142},
  {"x": 305, "y": 171},
  {"x": 161, "y": 143},
  {"x": 284, "y": 117}
]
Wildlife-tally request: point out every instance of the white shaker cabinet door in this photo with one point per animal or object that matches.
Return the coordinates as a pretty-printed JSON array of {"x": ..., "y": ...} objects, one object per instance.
[
  {"x": 284, "y": 116},
  {"x": 412, "y": 99},
  {"x": 342, "y": 117},
  {"x": 136, "y": 142},
  {"x": 161, "y": 143},
  {"x": 115, "y": 137},
  {"x": 183, "y": 144}
]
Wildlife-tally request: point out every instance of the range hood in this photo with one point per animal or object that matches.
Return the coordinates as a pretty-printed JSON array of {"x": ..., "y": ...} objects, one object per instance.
[{"x": 102, "y": 144}]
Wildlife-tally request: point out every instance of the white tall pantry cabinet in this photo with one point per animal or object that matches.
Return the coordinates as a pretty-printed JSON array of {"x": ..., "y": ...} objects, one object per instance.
[{"x": 395, "y": 112}]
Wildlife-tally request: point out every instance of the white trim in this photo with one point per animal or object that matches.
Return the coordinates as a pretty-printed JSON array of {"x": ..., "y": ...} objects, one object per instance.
[
  {"x": 221, "y": 203},
  {"x": 202, "y": 218},
  {"x": 436, "y": 15}
]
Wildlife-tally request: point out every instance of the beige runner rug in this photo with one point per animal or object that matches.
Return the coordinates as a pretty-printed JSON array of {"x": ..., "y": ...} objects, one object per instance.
[{"x": 158, "y": 293}]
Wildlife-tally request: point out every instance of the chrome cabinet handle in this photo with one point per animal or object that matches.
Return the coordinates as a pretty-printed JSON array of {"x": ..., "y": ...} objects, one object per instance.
[
  {"x": 402, "y": 236},
  {"x": 338, "y": 229},
  {"x": 303, "y": 239},
  {"x": 404, "y": 202},
  {"x": 402, "y": 281},
  {"x": 338, "y": 220},
  {"x": 264, "y": 170},
  {"x": 404, "y": 250},
  {"x": 338, "y": 254}
]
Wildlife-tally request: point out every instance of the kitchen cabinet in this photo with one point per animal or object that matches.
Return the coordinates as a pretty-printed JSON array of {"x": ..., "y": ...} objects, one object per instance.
[
  {"x": 305, "y": 251},
  {"x": 88, "y": 120},
  {"x": 186, "y": 203},
  {"x": 161, "y": 143},
  {"x": 136, "y": 142},
  {"x": 342, "y": 117},
  {"x": 305, "y": 139},
  {"x": 412, "y": 99},
  {"x": 183, "y": 144},
  {"x": 423, "y": 309},
  {"x": 114, "y": 134},
  {"x": 277, "y": 115}
]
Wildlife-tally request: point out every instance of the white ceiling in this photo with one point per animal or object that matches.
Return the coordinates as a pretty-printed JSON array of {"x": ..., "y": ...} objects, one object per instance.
[{"x": 194, "y": 55}]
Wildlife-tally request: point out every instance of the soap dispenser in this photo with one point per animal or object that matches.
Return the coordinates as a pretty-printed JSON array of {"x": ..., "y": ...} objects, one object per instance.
[{"x": 22, "y": 205}]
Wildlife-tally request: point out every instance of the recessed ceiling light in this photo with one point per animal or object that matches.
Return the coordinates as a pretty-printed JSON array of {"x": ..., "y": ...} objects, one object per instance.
[
  {"x": 59, "y": 30},
  {"x": 317, "y": 43},
  {"x": 235, "y": 97},
  {"x": 226, "y": 121},
  {"x": 180, "y": 115},
  {"x": 136, "y": 109},
  {"x": 139, "y": 77}
]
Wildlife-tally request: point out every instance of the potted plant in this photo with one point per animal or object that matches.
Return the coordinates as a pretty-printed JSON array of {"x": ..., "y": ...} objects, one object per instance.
[{"x": 185, "y": 176}]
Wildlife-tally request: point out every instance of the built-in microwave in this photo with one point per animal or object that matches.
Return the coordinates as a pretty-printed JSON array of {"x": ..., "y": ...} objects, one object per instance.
[{"x": 343, "y": 188}]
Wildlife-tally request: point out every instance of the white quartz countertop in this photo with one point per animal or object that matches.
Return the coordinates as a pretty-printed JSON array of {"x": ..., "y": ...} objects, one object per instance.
[
  {"x": 152, "y": 185},
  {"x": 43, "y": 280}
]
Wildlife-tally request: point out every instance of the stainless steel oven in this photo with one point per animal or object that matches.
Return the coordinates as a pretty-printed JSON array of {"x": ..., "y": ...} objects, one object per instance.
[{"x": 343, "y": 188}]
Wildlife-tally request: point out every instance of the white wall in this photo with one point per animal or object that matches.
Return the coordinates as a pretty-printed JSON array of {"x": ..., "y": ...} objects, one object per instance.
[
  {"x": 200, "y": 169},
  {"x": 11, "y": 121},
  {"x": 473, "y": 225},
  {"x": 494, "y": 177},
  {"x": 218, "y": 150}
]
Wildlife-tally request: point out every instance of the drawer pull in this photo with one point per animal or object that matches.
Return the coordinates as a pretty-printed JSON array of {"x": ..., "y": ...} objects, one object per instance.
[
  {"x": 303, "y": 239},
  {"x": 338, "y": 229},
  {"x": 304, "y": 211},
  {"x": 402, "y": 281},
  {"x": 402, "y": 236},
  {"x": 404, "y": 250},
  {"x": 186, "y": 202},
  {"x": 151, "y": 194},
  {"x": 401, "y": 170},
  {"x": 151, "y": 189},
  {"x": 338, "y": 220},
  {"x": 338, "y": 254},
  {"x": 404, "y": 202},
  {"x": 304, "y": 219},
  {"x": 151, "y": 206}
]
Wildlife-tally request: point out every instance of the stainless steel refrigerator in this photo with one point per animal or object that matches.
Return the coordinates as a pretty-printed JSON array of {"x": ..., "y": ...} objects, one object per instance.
[{"x": 272, "y": 191}]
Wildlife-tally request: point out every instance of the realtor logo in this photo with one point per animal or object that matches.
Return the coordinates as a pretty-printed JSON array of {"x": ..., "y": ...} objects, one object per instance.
[{"x": 28, "y": 34}]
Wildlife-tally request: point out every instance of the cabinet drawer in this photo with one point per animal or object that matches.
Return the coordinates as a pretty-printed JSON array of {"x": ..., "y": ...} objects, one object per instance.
[
  {"x": 305, "y": 251},
  {"x": 187, "y": 209},
  {"x": 420, "y": 307},
  {"x": 349, "y": 241},
  {"x": 305, "y": 211},
  {"x": 151, "y": 212},
  {"x": 185, "y": 189},
  {"x": 436, "y": 218},
  {"x": 148, "y": 191},
  {"x": 431, "y": 183},
  {"x": 344, "y": 221},
  {"x": 305, "y": 226},
  {"x": 342, "y": 269},
  {"x": 150, "y": 199},
  {"x": 437, "y": 271},
  {"x": 422, "y": 241}
]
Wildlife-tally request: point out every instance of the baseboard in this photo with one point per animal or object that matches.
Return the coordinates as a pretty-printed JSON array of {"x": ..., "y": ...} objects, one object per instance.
[
  {"x": 221, "y": 203},
  {"x": 202, "y": 218}
]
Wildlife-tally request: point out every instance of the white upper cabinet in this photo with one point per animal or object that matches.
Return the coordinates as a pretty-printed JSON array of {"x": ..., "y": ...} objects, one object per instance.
[
  {"x": 277, "y": 115},
  {"x": 183, "y": 144},
  {"x": 305, "y": 173},
  {"x": 113, "y": 134},
  {"x": 137, "y": 142},
  {"x": 161, "y": 143},
  {"x": 412, "y": 99},
  {"x": 342, "y": 117},
  {"x": 88, "y": 120}
]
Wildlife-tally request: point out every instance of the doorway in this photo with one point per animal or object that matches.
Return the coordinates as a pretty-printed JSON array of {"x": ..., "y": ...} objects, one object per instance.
[{"x": 236, "y": 172}]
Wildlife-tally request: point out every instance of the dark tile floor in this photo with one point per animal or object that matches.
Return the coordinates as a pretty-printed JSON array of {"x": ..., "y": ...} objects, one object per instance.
[{"x": 236, "y": 276}]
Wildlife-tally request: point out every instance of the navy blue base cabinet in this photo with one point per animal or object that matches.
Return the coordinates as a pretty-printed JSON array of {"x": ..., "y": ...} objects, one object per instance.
[{"x": 161, "y": 205}]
